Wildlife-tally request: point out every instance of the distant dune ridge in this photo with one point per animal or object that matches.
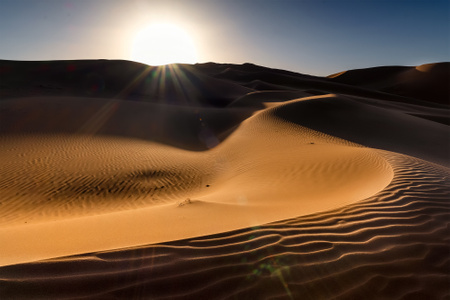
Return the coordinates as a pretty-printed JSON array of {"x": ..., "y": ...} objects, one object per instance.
[{"x": 119, "y": 180}]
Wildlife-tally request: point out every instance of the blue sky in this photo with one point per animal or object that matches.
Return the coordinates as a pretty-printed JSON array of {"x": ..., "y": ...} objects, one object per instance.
[{"x": 307, "y": 36}]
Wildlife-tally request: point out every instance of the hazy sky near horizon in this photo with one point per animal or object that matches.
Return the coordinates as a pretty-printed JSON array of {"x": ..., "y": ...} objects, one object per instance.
[{"x": 307, "y": 36}]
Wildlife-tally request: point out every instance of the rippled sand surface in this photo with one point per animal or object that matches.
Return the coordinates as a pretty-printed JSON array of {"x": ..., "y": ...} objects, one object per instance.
[{"x": 231, "y": 181}]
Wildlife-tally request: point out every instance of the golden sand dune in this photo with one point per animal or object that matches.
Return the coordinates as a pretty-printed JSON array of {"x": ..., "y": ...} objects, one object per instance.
[
  {"x": 89, "y": 184},
  {"x": 393, "y": 245},
  {"x": 190, "y": 184}
]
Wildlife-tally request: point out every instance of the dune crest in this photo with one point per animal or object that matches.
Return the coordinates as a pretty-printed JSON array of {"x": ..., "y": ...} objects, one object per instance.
[{"x": 139, "y": 185}]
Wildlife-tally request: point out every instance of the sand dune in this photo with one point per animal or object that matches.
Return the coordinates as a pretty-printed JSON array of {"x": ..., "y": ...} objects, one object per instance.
[
  {"x": 393, "y": 245},
  {"x": 427, "y": 82},
  {"x": 91, "y": 177},
  {"x": 173, "y": 84},
  {"x": 130, "y": 119},
  {"x": 221, "y": 181}
]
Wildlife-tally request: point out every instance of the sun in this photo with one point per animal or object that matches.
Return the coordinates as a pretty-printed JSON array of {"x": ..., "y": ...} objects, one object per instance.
[{"x": 163, "y": 43}]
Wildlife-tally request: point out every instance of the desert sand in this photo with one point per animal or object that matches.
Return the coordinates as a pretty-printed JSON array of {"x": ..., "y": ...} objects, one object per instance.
[{"x": 217, "y": 181}]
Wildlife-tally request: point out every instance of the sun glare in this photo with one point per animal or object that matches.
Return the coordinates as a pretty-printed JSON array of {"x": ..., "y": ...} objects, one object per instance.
[{"x": 163, "y": 43}]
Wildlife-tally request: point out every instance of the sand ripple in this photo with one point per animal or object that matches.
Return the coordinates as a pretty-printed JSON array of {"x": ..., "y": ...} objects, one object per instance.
[{"x": 369, "y": 249}]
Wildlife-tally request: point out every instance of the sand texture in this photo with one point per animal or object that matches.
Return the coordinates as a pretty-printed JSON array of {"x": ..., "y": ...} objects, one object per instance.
[{"x": 221, "y": 181}]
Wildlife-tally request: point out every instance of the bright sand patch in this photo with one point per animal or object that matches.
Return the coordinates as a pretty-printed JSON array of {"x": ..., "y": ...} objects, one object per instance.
[{"x": 100, "y": 193}]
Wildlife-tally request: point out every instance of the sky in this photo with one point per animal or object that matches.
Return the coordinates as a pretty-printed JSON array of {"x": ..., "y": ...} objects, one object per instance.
[{"x": 318, "y": 37}]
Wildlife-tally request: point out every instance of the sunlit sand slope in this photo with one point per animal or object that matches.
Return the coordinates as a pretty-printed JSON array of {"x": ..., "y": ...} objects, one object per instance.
[
  {"x": 96, "y": 193},
  {"x": 393, "y": 245}
]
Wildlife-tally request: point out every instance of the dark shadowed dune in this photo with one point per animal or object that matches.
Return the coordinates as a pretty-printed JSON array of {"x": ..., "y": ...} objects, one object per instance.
[
  {"x": 428, "y": 82},
  {"x": 102, "y": 116},
  {"x": 356, "y": 83},
  {"x": 371, "y": 126},
  {"x": 125, "y": 80}
]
